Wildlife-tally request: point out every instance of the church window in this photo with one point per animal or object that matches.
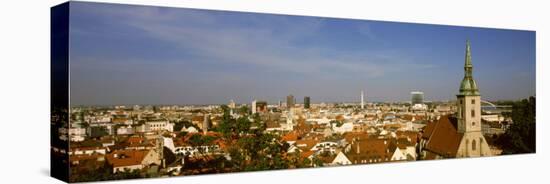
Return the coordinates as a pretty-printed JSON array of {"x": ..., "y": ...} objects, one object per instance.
[
  {"x": 474, "y": 145},
  {"x": 473, "y": 113},
  {"x": 473, "y": 123},
  {"x": 473, "y": 101}
]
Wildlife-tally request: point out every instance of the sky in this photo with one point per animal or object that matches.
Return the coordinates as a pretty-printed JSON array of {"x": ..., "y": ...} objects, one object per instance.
[{"x": 125, "y": 54}]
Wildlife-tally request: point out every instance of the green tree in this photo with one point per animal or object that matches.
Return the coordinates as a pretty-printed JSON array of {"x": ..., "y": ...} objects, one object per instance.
[
  {"x": 250, "y": 147},
  {"x": 200, "y": 141},
  {"x": 520, "y": 137},
  {"x": 317, "y": 162},
  {"x": 243, "y": 110}
]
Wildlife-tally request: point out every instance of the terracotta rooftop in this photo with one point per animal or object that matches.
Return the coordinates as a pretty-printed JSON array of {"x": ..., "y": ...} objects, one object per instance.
[
  {"x": 292, "y": 136},
  {"x": 349, "y": 136},
  {"x": 428, "y": 129},
  {"x": 444, "y": 139},
  {"x": 369, "y": 149},
  {"x": 412, "y": 135},
  {"x": 306, "y": 154},
  {"x": 126, "y": 157}
]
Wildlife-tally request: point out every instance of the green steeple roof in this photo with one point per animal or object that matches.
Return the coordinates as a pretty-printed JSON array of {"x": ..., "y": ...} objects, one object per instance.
[{"x": 468, "y": 87}]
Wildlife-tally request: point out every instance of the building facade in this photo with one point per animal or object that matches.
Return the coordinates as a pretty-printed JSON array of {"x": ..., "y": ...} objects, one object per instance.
[
  {"x": 290, "y": 101},
  {"x": 473, "y": 143},
  {"x": 417, "y": 97},
  {"x": 307, "y": 102},
  {"x": 459, "y": 135}
]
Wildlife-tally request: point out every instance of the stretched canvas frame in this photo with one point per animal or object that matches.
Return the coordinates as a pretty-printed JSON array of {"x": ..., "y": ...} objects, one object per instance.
[{"x": 145, "y": 92}]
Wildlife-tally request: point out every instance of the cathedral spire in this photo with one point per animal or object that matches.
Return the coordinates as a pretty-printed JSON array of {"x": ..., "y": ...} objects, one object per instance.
[
  {"x": 468, "y": 85},
  {"x": 468, "y": 60}
]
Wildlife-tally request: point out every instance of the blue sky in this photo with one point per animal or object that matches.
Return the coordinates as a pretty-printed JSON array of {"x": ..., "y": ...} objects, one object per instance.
[{"x": 124, "y": 54}]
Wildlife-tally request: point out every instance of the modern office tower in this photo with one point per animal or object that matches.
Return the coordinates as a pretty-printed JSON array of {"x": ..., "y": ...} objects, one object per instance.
[
  {"x": 362, "y": 100},
  {"x": 307, "y": 102},
  {"x": 254, "y": 107},
  {"x": 261, "y": 106},
  {"x": 290, "y": 101},
  {"x": 206, "y": 123},
  {"x": 417, "y": 97}
]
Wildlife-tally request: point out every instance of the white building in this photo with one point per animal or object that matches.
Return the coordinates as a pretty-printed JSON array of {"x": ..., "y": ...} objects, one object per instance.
[
  {"x": 341, "y": 159},
  {"x": 77, "y": 134},
  {"x": 160, "y": 125},
  {"x": 326, "y": 146},
  {"x": 345, "y": 127},
  {"x": 125, "y": 130}
]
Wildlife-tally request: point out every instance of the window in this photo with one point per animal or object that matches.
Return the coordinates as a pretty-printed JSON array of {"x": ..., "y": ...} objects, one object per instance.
[
  {"x": 473, "y": 113},
  {"x": 474, "y": 145},
  {"x": 473, "y": 101},
  {"x": 460, "y": 102},
  {"x": 473, "y": 123}
]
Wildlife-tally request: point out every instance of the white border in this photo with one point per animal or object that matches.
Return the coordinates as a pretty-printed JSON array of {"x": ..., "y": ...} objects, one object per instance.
[{"x": 24, "y": 74}]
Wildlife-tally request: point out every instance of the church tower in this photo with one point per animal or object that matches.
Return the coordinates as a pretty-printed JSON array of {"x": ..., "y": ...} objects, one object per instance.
[
  {"x": 469, "y": 107},
  {"x": 469, "y": 113}
]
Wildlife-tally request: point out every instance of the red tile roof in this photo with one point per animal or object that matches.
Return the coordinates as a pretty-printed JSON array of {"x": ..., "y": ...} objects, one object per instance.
[
  {"x": 349, "y": 136},
  {"x": 428, "y": 130},
  {"x": 412, "y": 135},
  {"x": 369, "y": 150},
  {"x": 126, "y": 157},
  {"x": 444, "y": 139},
  {"x": 292, "y": 136},
  {"x": 135, "y": 140},
  {"x": 306, "y": 154}
]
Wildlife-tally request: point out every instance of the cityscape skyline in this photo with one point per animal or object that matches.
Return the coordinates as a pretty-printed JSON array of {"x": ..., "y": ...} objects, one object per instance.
[
  {"x": 211, "y": 57},
  {"x": 157, "y": 92}
]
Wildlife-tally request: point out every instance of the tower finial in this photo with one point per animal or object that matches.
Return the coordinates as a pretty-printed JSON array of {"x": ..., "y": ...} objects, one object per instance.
[
  {"x": 468, "y": 62},
  {"x": 468, "y": 85}
]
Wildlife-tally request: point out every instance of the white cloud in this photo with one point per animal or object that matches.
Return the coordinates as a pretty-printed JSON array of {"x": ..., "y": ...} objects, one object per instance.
[{"x": 267, "y": 42}]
